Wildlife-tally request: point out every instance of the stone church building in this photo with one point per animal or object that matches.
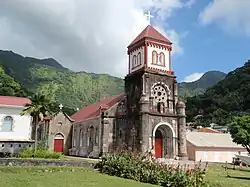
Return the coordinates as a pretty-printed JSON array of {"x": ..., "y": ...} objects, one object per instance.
[
  {"x": 147, "y": 116},
  {"x": 55, "y": 132}
]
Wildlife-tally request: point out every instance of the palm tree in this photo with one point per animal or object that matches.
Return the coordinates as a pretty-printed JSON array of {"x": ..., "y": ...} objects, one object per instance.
[{"x": 38, "y": 109}]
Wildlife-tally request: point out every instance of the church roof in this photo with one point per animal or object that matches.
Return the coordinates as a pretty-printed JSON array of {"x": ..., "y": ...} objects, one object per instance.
[
  {"x": 150, "y": 33},
  {"x": 93, "y": 110},
  {"x": 13, "y": 101}
]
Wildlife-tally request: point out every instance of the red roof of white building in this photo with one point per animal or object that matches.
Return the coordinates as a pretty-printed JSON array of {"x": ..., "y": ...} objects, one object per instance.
[
  {"x": 150, "y": 33},
  {"x": 13, "y": 101}
]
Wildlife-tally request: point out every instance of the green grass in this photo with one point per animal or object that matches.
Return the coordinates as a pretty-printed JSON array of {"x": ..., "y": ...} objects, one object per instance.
[
  {"x": 77, "y": 177},
  {"x": 60, "y": 176},
  {"x": 218, "y": 177}
]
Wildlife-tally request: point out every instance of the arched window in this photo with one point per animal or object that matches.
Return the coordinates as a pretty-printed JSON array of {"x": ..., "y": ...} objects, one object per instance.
[
  {"x": 139, "y": 59},
  {"x": 96, "y": 136},
  {"x": 120, "y": 134},
  {"x": 74, "y": 137},
  {"x": 7, "y": 124},
  {"x": 81, "y": 137},
  {"x": 91, "y": 136},
  {"x": 162, "y": 59},
  {"x": 160, "y": 107},
  {"x": 154, "y": 57},
  {"x": 134, "y": 61}
]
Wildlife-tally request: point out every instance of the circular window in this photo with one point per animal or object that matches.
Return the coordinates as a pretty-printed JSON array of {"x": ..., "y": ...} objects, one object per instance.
[{"x": 160, "y": 93}]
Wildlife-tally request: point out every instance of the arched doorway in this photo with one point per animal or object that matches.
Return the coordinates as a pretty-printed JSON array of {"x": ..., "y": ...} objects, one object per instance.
[
  {"x": 164, "y": 141},
  {"x": 58, "y": 143}
]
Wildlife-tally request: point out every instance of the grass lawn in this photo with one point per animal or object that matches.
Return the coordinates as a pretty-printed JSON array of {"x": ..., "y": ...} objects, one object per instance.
[
  {"x": 77, "y": 177},
  {"x": 61, "y": 177},
  {"x": 217, "y": 176}
]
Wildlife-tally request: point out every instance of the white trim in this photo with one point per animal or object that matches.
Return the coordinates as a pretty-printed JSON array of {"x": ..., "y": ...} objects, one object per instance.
[
  {"x": 164, "y": 123},
  {"x": 59, "y": 136},
  {"x": 12, "y": 106},
  {"x": 173, "y": 133}
]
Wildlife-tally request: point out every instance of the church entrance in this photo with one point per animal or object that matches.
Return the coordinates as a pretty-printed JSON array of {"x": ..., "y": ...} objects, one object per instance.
[
  {"x": 58, "y": 143},
  {"x": 164, "y": 141},
  {"x": 158, "y": 144}
]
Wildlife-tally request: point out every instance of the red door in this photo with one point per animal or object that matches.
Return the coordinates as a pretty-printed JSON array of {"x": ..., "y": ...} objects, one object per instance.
[
  {"x": 58, "y": 145},
  {"x": 158, "y": 144},
  {"x": 158, "y": 148}
]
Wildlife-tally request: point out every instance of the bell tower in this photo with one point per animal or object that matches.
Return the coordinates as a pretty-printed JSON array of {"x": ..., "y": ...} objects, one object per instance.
[
  {"x": 150, "y": 73},
  {"x": 152, "y": 95},
  {"x": 150, "y": 50}
]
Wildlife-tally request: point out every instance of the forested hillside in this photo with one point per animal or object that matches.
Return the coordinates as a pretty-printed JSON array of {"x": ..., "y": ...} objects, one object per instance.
[
  {"x": 210, "y": 78},
  {"x": 72, "y": 89},
  {"x": 227, "y": 98},
  {"x": 9, "y": 87}
]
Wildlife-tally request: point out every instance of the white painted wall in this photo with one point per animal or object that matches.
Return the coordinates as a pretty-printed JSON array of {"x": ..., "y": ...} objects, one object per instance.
[
  {"x": 166, "y": 53},
  {"x": 216, "y": 155},
  {"x": 131, "y": 69},
  {"x": 21, "y": 127}
]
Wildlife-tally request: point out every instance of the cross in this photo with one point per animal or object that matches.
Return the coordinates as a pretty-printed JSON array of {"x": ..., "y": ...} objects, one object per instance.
[
  {"x": 148, "y": 16},
  {"x": 60, "y": 106}
]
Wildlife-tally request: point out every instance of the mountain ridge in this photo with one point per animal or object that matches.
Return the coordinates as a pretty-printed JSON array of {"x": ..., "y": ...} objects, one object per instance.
[
  {"x": 228, "y": 98},
  {"x": 72, "y": 89}
]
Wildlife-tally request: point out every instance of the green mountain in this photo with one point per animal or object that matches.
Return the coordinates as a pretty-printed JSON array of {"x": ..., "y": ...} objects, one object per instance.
[
  {"x": 210, "y": 78},
  {"x": 9, "y": 87},
  {"x": 73, "y": 90},
  {"x": 76, "y": 89},
  {"x": 227, "y": 98}
]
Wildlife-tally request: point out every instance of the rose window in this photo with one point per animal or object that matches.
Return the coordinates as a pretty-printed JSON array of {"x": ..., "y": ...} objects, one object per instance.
[{"x": 160, "y": 94}]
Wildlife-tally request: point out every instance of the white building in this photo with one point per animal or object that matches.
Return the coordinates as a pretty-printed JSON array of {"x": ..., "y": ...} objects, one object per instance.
[
  {"x": 15, "y": 130},
  {"x": 212, "y": 147}
]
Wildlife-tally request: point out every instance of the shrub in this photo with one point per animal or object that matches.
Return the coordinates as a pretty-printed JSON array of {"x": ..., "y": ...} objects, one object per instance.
[
  {"x": 39, "y": 153},
  {"x": 134, "y": 167}
]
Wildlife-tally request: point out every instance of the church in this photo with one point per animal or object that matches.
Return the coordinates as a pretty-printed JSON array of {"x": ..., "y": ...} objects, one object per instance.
[{"x": 147, "y": 116}]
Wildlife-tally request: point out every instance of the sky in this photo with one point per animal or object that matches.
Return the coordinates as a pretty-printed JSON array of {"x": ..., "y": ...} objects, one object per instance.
[{"x": 92, "y": 36}]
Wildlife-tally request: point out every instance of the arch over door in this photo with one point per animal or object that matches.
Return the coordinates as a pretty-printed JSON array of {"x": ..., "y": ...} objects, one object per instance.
[{"x": 58, "y": 143}]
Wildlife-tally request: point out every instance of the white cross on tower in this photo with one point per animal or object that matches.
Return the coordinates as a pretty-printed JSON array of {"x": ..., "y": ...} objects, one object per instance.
[
  {"x": 60, "y": 106},
  {"x": 148, "y": 17}
]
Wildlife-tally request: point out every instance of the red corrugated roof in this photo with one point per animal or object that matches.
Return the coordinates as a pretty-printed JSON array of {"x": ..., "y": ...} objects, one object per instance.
[
  {"x": 13, "y": 101},
  {"x": 208, "y": 130},
  {"x": 150, "y": 32},
  {"x": 92, "y": 110}
]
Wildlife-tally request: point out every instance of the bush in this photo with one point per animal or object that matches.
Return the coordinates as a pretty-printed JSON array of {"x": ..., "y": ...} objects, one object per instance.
[
  {"x": 39, "y": 153},
  {"x": 134, "y": 167}
]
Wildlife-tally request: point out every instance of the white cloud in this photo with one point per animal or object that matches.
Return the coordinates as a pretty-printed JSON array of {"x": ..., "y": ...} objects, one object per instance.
[
  {"x": 193, "y": 77},
  {"x": 82, "y": 34},
  {"x": 231, "y": 15}
]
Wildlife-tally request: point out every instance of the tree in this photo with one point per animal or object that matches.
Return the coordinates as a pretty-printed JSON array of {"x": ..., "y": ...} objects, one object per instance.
[
  {"x": 240, "y": 131},
  {"x": 8, "y": 86},
  {"x": 38, "y": 109}
]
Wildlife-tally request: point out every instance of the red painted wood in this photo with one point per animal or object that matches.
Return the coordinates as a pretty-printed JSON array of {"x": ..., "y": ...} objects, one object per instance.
[
  {"x": 58, "y": 145},
  {"x": 158, "y": 147}
]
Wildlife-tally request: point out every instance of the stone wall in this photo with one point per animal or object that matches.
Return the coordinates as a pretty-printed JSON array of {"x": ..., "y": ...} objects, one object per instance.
[
  {"x": 13, "y": 147},
  {"x": 86, "y": 138},
  {"x": 43, "y": 162}
]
